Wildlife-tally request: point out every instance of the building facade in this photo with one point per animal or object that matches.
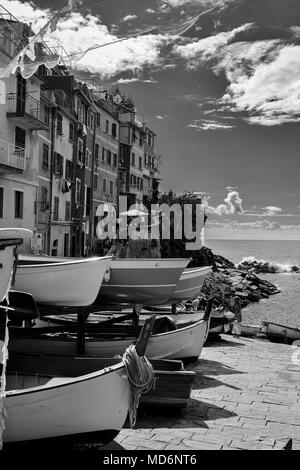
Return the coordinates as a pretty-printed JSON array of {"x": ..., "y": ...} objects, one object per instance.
[
  {"x": 65, "y": 148},
  {"x": 106, "y": 160}
]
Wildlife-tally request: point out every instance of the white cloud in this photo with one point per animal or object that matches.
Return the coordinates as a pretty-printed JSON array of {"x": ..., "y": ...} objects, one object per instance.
[
  {"x": 77, "y": 33},
  {"x": 233, "y": 205},
  {"x": 209, "y": 48},
  {"x": 159, "y": 117},
  {"x": 263, "y": 76},
  {"x": 126, "y": 81},
  {"x": 149, "y": 10},
  {"x": 26, "y": 11},
  {"x": 188, "y": 97},
  {"x": 176, "y": 3},
  {"x": 209, "y": 125},
  {"x": 256, "y": 225},
  {"x": 271, "y": 92},
  {"x": 272, "y": 210},
  {"x": 179, "y": 3},
  {"x": 129, "y": 18},
  {"x": 291, "y": 227},
  {"x": 295, "y": 30}
]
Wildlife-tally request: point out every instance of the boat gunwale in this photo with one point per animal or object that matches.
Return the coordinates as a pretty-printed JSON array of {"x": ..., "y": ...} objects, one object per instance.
[
  {"x": 64, "y": 263},
  {"x": 45, "y": 337},
  {"x": 152, "y": 259},
  {"x": 69, "y": 380},
  {"x": 267, "y": 323},
  {"x": 197, "y": 270}
]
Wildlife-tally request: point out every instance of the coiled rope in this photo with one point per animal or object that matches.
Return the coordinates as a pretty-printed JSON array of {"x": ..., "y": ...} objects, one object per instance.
[{"x": 140, "y": 374}]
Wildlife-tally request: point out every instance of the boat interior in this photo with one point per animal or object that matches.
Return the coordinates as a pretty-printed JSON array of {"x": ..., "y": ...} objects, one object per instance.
[
  {"x": 27, "y": 371},
  {"x": 69, "y": 330}
]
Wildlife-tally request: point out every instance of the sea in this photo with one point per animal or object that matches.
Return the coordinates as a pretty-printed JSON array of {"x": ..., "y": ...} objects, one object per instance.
[{"x": 283, "y": 308}]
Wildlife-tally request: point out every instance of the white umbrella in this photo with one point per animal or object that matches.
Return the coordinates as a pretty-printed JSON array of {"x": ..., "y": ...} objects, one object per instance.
[{"x": 134, "y": 213}]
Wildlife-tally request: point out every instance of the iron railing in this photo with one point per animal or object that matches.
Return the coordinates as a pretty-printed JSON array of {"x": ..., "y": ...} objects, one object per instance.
[
  {"x": 29, "y": 105},
  {"x": 12, "y": 155}
]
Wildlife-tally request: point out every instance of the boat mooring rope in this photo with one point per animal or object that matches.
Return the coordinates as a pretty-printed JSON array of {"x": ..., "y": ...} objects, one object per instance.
[{"x": 140, "y": 374}]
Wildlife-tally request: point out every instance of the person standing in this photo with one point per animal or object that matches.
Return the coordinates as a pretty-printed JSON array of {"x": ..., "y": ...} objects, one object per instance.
[{"x": 237, "y": 310}]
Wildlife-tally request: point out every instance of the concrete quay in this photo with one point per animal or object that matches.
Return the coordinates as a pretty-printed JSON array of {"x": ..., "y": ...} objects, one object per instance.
[{"x": 246, "y": 395}]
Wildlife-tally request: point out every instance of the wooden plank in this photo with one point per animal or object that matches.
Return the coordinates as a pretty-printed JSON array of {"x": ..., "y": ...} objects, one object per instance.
[
  {"x": 144, "y": 336},
  {"x": 10, "y": 242},
  {"x": 208, "y": 308}
]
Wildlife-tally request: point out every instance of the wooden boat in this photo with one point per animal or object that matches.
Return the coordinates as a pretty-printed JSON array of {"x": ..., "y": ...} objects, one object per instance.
[
  {"x": 63, "y": 402},
  {"x": 219, "y": 320},
  {"x": 72, "y": 283},
  {"x": 280, "y": 333},
  {"x": 98, "y": 318},
  {"x": 190, "y": 283},
  {"x": 145, "y": 281},
  {"x": 45, "y": 405},
  {"x": 182, "y": 342},
  {"x": 172, "y": 385},
  {"x": 250, "y": 330},
  {"x": 9, "y": 240}
]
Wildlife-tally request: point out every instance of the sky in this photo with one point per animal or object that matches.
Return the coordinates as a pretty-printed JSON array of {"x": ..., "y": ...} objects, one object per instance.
[{"x": 219, "y": 83}]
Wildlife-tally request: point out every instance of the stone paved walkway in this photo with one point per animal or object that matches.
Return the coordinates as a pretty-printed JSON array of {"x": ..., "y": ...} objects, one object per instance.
[{"x": 246, "y": 395}]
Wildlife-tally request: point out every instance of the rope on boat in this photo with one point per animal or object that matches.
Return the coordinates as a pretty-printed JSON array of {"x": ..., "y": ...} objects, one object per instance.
[
  {"x": 4, "y": 350},
  {"x": 140, "y": 374}
]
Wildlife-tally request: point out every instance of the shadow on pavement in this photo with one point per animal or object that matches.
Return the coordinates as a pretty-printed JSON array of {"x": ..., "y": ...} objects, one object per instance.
[
  {"x": 193, "y": 416},
  {"x": 205, "y": 366},
  {"x": 221, "y": 341}
]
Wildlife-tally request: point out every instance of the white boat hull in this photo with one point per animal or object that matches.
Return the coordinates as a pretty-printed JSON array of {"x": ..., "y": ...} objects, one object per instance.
[
  {"x": 6, "y": 263},
  {"x": 277, "y": 332},
  {"x": 190, "y": 283},
  {"x": 250, "y": 330},
  {"x": 72, "y": 283},
  {"x": 182, "y": 343},
  {"x": 142, "y": 281},
  {"x": 93, "y": 403}
]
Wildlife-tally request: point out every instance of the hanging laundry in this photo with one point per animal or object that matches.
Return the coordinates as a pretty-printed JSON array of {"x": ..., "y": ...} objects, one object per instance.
[
  {"x": 27, "y": 70},
  {"x": 29, "y": 49}
]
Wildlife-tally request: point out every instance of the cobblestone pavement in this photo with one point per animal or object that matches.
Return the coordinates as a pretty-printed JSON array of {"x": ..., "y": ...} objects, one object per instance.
[{"x": 246, "y": 395}]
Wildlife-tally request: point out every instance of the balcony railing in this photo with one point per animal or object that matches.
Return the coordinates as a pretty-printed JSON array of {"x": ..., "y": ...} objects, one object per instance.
[
  {"x": 148, "y": 192},
  {"x": 132, "y": 118},
  {"x": 12, "y": 156},
  {"x": 27, "y": 110}
]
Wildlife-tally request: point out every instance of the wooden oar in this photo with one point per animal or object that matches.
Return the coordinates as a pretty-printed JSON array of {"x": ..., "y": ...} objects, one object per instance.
[
  {"x": 208, "y": 308},
  {"x": 142, "y": 341},
  {"x": 26, "y": 312}
]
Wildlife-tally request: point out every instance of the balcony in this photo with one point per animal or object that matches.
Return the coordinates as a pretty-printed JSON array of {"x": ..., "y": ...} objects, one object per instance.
[
  {"x": 147, "y": 192},
  {"x": 26, "y": 113},
  {"x": 12, "y": 158},
  {"x": 132, "y": 118}
]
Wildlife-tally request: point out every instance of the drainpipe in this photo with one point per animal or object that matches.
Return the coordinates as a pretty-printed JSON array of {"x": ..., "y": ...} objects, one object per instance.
[
  {"x": 51, "y": 178},
  {"x": 92, "y": 189}
]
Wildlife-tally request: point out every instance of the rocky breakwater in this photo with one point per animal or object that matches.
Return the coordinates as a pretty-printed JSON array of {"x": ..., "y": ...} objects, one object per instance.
[
  {"x": 260, "y": 266},
  {"x": 227, "y": 281}
]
